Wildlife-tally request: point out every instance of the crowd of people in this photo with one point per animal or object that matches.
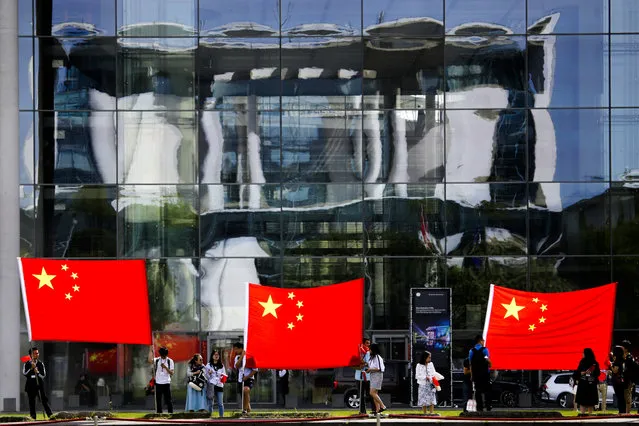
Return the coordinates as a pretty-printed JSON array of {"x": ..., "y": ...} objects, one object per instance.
[{"x": 206, "y": 382}]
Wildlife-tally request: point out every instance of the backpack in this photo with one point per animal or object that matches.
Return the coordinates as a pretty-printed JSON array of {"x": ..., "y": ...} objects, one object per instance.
[
  {"x": 479, "y": 365},
  {"x": 631, "y": 370}
]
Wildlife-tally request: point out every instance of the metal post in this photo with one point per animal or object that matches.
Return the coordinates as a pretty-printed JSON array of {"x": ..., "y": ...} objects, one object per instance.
[{"x": 9, "y": 208}]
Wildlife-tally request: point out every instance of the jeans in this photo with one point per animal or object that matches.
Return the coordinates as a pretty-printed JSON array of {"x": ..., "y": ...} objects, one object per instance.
[{"x": 219, "y": 396}]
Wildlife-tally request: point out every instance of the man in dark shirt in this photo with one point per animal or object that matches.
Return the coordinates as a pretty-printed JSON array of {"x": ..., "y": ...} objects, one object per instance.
[
  {"x": 35, "y": 373},
  {"x": 480, "y": 373}
]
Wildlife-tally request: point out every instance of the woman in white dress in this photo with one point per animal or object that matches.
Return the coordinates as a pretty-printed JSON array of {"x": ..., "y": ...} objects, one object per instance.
[
  {"x": 427, "y": 393},
  {"x": 376, "y": 371}
]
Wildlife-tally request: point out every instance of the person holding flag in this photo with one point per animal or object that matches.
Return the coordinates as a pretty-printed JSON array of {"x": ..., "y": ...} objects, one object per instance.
[
  {"x": 360, "y": 374},
  {"x": 33, "y": 369}
]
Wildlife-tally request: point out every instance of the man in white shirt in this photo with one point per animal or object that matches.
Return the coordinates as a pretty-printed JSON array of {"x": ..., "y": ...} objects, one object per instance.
[
  {"x": 245, "y": 376},
  {"x": 163, "y": 369}
]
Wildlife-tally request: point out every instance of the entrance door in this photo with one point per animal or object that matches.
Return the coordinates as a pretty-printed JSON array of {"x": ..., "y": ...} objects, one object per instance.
[
  {"x": 392, "y": 346},
  {"x": 264, "y": 390}
]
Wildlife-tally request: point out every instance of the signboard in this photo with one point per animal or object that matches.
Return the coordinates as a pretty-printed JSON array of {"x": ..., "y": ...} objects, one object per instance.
[{"x": 430, "y": 330}]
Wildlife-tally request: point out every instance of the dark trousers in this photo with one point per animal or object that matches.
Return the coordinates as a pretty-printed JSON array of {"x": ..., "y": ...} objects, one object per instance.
[
  {"x": 482, "y": 395},
  {"x": 467, "y": 393},
  {"x": 163, "y": 391},
  {"x": 621, "y": 399},
  {"x": 32, "y": 394}
]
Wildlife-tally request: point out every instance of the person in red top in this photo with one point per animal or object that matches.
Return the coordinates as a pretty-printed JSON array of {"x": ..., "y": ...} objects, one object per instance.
[{"x": 603, "y": 381}]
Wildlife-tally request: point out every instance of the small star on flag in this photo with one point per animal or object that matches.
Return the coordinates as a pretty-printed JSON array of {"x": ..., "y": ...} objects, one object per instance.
[
  {"x": 74, "y": 275},
  {"x": 543, "y": 307},
  {"x": 535, "y": 300},
  {"x": 68, "y": 296},
  {"x": 76, "y": 288},
  {"x": 291, "y": 295},
  {"x": 300, "y": 304},
  {"x": 65, "y": 267},
  {"x": 532, "y": 327},
  {"x": 542, "y": 320},
  {"x": 290, "y": 325},
  {"x": 299, "y": 317}
]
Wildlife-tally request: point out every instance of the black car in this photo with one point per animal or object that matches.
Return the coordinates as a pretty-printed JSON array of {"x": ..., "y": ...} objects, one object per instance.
[
  {"x": 503, "y": 391},
  {"x": 396, "y": 382}
]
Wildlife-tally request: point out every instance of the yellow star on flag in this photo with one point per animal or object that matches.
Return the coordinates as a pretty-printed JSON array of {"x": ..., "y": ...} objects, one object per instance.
[
  {"x": 291, "y": 295},
  {"x": 270, "y": 307},
  {"x": 512, "y": 310},
  {"x": 536, "y": 300},
  {"x": 532, "y": 327},
  {"x": 300, "y": 304},
  {"x": 74, "y": 275},
  {"x": 543, "y": 308},
  {"x": 542, "y": 320},
  {"x": 299, "y": 317},
  {"x": 65, "y": 267},
  {"x": 290, "y": 326},
  {"x": 76, "y": 288},
  {"x": 44, "y": 279},
  {"x": 68, "y": 296}
]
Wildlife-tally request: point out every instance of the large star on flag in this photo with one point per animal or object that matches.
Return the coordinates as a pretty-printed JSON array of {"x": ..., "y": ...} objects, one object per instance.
[
  {"x": 44, "y": 279},
  {"x": 512, "y": 309},
  {"x": 270, "y": 307}
]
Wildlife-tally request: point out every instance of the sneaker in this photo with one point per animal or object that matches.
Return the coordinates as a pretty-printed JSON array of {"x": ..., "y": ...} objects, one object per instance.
[{"x": 381, "y": 410}]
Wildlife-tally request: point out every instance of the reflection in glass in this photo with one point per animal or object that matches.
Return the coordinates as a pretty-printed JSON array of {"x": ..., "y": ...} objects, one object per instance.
[
  {"x": 403, "y": 18},
  {"x": 157, "y": 220},
  {"x": 27, "y": 165},
  {"x": 389, "y": 281},
  {"x": 27, "y": 221},
  {"x": 327, "y": 227},
  {"x": 321, "y": 18},
  {"x": 624, "y": 217},
  {"x": 485, "y": 17},
  {"x": 25, "y": 17},
  {"x": 157, "y": 18},
  {"x": 624, "y": 16},
  {"x": 241, "y": 18},
  {"x": 624, "y": 57},
  {"x": 496, "y": 225},
  {"x": 625, "y": 146},
  {"x": 225, "y": 268},
  {"x": 76, "y": 221},
  {"x": 625, "y": 272},
  {"x": 72, "y": 18},
  {"x": 574, "y": 16},
  {"x": 558, "y": 274},
  {"x": 470, "y": 278},
  {"x": 173, "y": 294},
  {"x": 25, "y": 72}
]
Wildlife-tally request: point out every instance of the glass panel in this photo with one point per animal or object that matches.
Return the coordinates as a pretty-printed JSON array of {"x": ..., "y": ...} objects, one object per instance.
[
  {"x": 160, "y": 68},
  {"x": 157, "y": 147},
  {"x": 324, "y": 228},
  {"x": 570, "y": 218},
  {"x": 404, "y": 73},
  {"x": 241, "y": 18},
  {"x": 557, "y": 274},
  {"x": 568, "y": 71},
  {"x": 486, "y": 72},
  {"x": 157, "y": 18},
  {"x": 500, "y": 155},
  {"x": 389, "y": 282},
  {"x": 173, "y": 287},
  {"x": 568, "y": 16},
  {"x": 25, "y": 17},
  {"x": 237, "y": 74},
  {"x": 240, "y": 146},
  {"x": 494, "y": 225},
  {"x": 408, "y": 18},
  {"x": 625, "y": 146},
  {"x": 157, "y": 221},
  {"x": 27, "y": 221},
  {"x": 488, "y": 17},
  {"x": 76, "y": 147},
  {"x": 301, "y": 271},
  {"x": 27, "y": 166},
  {"x": 79, "y": 18},
  {"x": 624, "y": 56},
  {"x": 76, "y": 221},
  {"x": 25, "y": 70},
  {"x": 625, "y": 221},
  {"x": 470, "y": 278},
  {"x": 68, "y": 69},
  {"x": 625, "y": 271},
  {"x": 228, "y": 265},
  {"x": 624, "y": 16},
  {"x": 405, "y": 226},
  {"x": 569, "y": 145},
  {"x": 325, "y": 147},
  {"x": 321, "y": 18}
]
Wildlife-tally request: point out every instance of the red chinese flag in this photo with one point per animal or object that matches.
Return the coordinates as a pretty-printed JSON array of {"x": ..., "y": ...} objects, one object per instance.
[
  {"x": 25, "y": 358},
  {"x": 86, "y": 300},
  {"x": 548, "y": 331},
  {"x": 181, "y": 347},
  {"x": 283, "y": 323},
  {"x": 103, "y": 362}
]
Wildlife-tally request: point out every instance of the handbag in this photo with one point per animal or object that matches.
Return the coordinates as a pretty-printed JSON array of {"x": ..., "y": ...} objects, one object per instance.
[
  {"x": 197, "y": 382},
  {"x": 150, "y": 388},
  {"x": 471, "y": 405}
]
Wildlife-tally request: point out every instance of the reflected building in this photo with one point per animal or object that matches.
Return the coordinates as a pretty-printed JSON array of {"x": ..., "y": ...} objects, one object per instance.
[{"x": 289, "y": 146}]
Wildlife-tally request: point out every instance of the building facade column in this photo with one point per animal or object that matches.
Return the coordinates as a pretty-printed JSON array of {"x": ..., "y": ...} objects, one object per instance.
[{"x": 10, "y": 376}]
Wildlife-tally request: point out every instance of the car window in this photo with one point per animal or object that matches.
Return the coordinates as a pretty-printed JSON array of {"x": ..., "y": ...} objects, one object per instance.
[{"x": 564, "y": 379}]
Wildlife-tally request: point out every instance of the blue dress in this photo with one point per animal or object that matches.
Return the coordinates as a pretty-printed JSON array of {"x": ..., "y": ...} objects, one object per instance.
[{"x": 196, "y": 400}]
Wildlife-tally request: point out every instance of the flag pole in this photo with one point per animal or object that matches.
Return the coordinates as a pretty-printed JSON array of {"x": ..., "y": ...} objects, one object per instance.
[{"x": 155, "y": 385}]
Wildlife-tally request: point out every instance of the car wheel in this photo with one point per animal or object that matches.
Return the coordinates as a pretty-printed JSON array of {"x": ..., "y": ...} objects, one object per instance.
[
  {"x": 563, "y": 399},
  {"x": 351, "y": 399},
  {"x": 508, "y": 398}
]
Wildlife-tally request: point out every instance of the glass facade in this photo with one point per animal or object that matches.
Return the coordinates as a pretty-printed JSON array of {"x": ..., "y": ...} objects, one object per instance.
[{"x": 416, "y": 143}]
